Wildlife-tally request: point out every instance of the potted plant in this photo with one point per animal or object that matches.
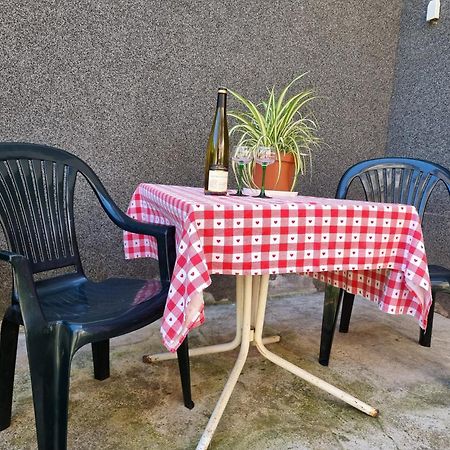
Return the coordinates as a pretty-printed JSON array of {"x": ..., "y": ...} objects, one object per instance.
[{"x": 284, "y": 123}]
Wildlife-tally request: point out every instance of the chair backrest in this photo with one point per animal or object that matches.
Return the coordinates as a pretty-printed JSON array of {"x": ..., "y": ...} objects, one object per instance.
[
  {"x": 396, "y": 180},
  {"x": 37, "y": 186}
]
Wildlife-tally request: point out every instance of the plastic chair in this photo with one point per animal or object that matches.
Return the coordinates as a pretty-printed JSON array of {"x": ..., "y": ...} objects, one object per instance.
[
  {"x": 389, "y": 180},
  {"x": 65, "y": 311}
]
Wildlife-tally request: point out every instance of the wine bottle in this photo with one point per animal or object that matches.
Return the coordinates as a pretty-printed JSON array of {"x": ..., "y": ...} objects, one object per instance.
[{"x": 216, "y": 162}]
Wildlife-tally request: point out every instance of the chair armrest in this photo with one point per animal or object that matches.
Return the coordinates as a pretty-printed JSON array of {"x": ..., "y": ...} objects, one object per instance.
[
  {"x": 164, "y": 234},
  {"x": 24, "y": 285},
  {"x": 165, "y": 239}
]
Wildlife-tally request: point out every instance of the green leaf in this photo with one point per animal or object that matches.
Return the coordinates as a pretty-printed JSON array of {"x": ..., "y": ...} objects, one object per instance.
[{"x": 284, "y": 123}]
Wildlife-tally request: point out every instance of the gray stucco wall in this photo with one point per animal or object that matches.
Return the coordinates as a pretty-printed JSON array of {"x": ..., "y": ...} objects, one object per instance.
[
  {"x": 131, "y": 87},
  {"x": 419, "y": 124}
]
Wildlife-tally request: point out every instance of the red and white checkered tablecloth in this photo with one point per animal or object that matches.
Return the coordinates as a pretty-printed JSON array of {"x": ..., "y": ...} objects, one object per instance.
[{"x": 372, "y": 249}]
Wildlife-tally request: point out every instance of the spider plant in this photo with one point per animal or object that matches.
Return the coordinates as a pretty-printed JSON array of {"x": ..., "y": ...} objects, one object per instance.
[{"x": 286, "y": 124}]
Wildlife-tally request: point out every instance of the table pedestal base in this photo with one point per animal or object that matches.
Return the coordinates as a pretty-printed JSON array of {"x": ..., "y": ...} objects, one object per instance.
[
  {"x": 227, "y": 346},
  {"x": 251, "y": 299},
  {"x": 253, "y": 333}
]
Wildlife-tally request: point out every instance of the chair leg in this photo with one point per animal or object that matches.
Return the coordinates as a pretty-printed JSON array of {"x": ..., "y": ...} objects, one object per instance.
[
  {"x": 185, "y": 373},
  {"x": 425, "y": 336},
  {"x": 100, "y": 357},
  {"x": 50, "y": 358},
  {"x": 347, "y": 306},
  {"x": 8, "y": 351},
  {"x": 331, "y": 304}
]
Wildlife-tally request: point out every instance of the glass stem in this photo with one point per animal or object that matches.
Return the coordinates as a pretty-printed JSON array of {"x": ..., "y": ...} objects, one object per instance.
[
  {"x": 240, "y": 178},
  {"x": 263, "y": 191}
]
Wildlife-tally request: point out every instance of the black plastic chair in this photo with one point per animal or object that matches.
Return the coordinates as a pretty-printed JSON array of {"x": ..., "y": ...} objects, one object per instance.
[
  {"x": 66, "y": 311},
  {"x": 388, "y": 180}
]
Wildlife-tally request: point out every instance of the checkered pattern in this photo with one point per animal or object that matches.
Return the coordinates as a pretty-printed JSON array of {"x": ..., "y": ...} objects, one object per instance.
[{"x": 372, "y": 249}]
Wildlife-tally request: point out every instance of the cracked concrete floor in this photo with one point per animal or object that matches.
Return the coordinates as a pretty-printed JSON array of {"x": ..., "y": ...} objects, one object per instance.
[{"x": 378, "y": 361}]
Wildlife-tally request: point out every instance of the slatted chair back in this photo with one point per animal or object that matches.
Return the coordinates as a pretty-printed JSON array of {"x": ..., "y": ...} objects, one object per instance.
[
  {"x": 37, "y": 186},
  {"x": 396, "y": 180}
]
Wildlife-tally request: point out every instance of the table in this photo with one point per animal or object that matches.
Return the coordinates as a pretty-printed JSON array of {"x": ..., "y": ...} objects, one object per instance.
[{"x": 372, "y": 249}]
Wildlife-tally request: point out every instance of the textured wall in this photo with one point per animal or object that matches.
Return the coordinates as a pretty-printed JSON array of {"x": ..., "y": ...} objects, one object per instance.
[
  {"x": 130, "y": 86},
  {"x": 419, "y": 123}
]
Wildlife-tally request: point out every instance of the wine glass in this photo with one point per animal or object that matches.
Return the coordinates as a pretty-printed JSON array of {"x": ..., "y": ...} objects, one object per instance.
[
  {"x": 264, "y": 156},
  {"x": 241, "y": 155}
]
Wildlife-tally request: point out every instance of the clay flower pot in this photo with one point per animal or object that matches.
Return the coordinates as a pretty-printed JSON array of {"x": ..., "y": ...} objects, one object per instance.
[{"x": 286, "y": 177}]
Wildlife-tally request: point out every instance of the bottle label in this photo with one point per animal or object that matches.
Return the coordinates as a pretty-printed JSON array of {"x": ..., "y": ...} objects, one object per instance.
[{"x": 218, "y": 181}]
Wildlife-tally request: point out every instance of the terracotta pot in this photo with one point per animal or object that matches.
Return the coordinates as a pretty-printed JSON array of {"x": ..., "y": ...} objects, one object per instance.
[{"x": 286, "y": 176}]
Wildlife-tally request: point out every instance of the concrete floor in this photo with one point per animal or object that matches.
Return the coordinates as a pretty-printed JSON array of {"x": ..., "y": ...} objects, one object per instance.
[{"x": 379, "y": 361}]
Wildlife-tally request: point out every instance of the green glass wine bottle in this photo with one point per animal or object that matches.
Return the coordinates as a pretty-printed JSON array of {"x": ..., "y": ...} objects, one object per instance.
[{"x": 217, "y": 151}]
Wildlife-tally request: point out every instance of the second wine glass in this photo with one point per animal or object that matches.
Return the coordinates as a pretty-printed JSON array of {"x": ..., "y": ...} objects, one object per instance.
[
  {"x": 264, "y": 156},
  {"x": 241, "y": 155}
]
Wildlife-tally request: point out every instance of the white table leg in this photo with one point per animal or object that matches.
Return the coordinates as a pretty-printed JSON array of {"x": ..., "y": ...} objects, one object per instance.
[
  {"x": 234, "y": 375},
  {"x": 353, "y": 401},
  {"x": 218, "y": 348},
  {"x": 259, "y": 289}
]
